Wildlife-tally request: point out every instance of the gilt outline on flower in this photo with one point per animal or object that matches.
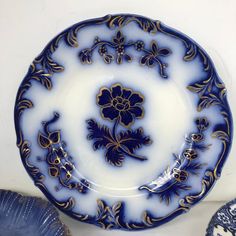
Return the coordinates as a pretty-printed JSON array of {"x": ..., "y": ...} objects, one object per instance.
[
  {"x": 121, "y": 106},
  {"x": 118, "y": 49}
]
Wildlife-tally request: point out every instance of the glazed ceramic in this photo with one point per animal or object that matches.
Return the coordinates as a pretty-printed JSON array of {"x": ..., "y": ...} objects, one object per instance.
[
  {"x": 21, "y": 215},
  {"x": 123, "y": 122},
  {"x": 223, "y": 223}
]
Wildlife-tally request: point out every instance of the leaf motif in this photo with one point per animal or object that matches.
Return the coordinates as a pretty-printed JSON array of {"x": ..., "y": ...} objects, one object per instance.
[
  {"x": 52, "y": 66},
  {"x": 164, "y": 52},
  {"x": 194, "y": 168},
  {"x": 134, "y": 139},
  {"x": 116, "y": 208},
  {"x": 221, "y": 135},
  {"x": 114, "y": 156},
  {"x": 101, "y": 210},
  {"x": 43, "y": 141},
  {"x": 144, "y": 59},
  {"x": 43, "y": 78},
  {"x": 154, "y": 47},
  {"x": 196, "y": 88},
  {"x": 23, "y": 104},
  {"x": 46, "y": 61},
  {"x": 99, "y": 134},
  {"x": 191, "y": 53},
  {"x": 206, "y": 102},
  {"x": 71, "y": 38},
  {"x": 55, "y": 136}
]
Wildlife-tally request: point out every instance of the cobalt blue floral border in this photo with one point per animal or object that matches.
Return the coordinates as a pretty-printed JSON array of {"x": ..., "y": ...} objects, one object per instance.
[{"x": 210, "y": 92}]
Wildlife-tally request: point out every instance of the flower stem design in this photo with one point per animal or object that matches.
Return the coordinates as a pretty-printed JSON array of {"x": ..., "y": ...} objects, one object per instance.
[
  {"x": 60, "y": 163},
  {"x": 122, "y": 106},
  {"x": 151, "y": 57},
  {"x": 173, "y": 180}
]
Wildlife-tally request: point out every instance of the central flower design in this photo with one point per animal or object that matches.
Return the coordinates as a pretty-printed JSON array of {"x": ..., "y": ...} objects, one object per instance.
[
  {"x": 120, "y": 103},
  {"x": 121, "y": 106}
]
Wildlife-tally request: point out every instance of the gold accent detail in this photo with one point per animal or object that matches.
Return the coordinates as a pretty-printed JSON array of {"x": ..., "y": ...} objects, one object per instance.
[
  {"x": 66, "y": 205},
  {"x": 72, "y": 40},
  {"x": 110, "y": 90}
]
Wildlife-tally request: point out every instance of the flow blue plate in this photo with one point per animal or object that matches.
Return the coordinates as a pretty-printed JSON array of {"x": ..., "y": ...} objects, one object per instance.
[{"x": 123, "y": 122}]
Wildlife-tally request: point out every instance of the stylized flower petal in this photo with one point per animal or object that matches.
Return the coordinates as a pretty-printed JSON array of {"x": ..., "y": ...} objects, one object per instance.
[
  {"x": 55, "y": 136},
  {"x": 119, "y": 59},
  {"x": 122, "y": 39},
  {"x": 128, "y": 58},
  {"x": 202, "y": 123},
  {"x": 135, "y": 98},
  {"x": 126, "y": 118},
  {"x": 164, "y": 52},
  {"x": 144, "y": 59},
  {"x": 89, "y": 59},
  {"x": 44, "y": 141},
  {"x": 53, "y": 158},
  {"x": 110, "y": 112},
  {"x": 116, "y": 90},
  {"x": 108, "y": 58},
  {"x": 136, "y": 111},
  {"x": 150, "y": 62},
  {"x": 115, "y": 40},
  {"x": 104, "y": 97},
  {"x": 118, "y": 34},
  {"x": 154, "y": 47},
  {"x": 126, "y": 93},
  {"x": 54, "y": 171},
  {"x": 85, "y": 56}
]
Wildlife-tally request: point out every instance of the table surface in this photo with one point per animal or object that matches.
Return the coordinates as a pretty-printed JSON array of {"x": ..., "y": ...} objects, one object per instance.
[{"x": 25, "y": 28}]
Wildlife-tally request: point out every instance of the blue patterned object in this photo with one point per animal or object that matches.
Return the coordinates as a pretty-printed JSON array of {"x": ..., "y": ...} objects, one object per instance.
[
  {"x": 21, "y": 216},
  {"x": 123, "y": 122},
  {"x": 223, "y": 223},
  {"x": 122, "y": 106}
]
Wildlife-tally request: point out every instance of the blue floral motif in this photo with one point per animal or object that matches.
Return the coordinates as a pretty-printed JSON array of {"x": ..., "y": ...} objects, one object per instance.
[
  {"x": 223, "y": 217},
  {"x": 60, "y": 163},
  {"x": 173, "y": 180},
  {"x": 150, "y": 56},
  {"x": 120, "y": 103},
  {"x": 121, "y": 106}
]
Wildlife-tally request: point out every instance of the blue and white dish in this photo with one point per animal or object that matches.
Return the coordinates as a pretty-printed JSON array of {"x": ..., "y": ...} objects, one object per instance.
[
  {"x": 21, "y": 215},
  {"x": 123, "y": 122},
  {"x": 223, "y": 223}
]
